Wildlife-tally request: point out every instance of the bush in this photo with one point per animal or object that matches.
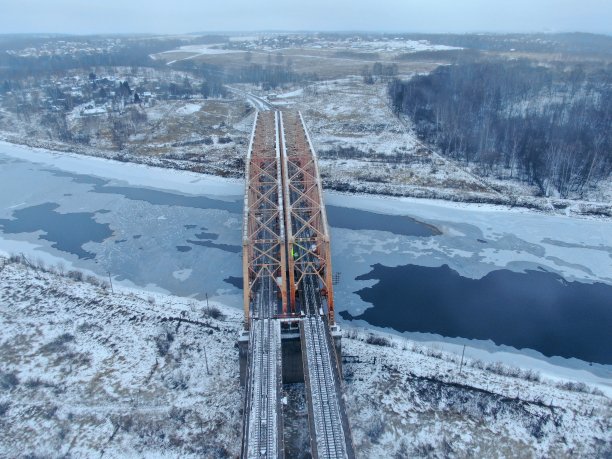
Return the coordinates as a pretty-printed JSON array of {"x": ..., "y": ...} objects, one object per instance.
[
  {"x": 34, "y": 383},
  {"x": 93, "y": 280},
  {"x": 4, "y": 407},
  {"x": 178, "y": 414},
  {"x": 75, "y": 275},
  {"x": 177, "y": 380},
  {"x": 378, "y": 341},
  {"x": 14, "y": 258},
  {"x": 163, "y": 341},
  {"x": 506, "y": 370},
  {"x": 8, "y": 381},
  {"x": 375, "y": 430},
  {"x": 574, "y": 386},
  {"x": 58, "y": 344},
  {"x": 213, "y": 312}
]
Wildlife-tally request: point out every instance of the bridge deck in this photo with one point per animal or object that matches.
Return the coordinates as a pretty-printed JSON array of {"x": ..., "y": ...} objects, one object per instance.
[
  {"x": 262, "y": 436},
  {"x": 327, "y": 415}
]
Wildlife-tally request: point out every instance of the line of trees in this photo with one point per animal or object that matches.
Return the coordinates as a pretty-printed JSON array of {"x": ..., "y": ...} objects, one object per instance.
[
  {"x": 277, "y": 71},
  {"x": 549, "y": 125},
  {"x": 133, "y": 54},
  {"x": 378, "y": 72}
]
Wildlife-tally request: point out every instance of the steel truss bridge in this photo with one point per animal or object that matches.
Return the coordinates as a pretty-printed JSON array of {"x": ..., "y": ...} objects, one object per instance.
[{"x": 288, "y": 285}]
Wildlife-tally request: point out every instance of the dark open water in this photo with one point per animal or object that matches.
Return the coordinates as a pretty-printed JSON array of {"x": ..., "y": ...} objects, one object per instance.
[{"x": 534, "y": 309}]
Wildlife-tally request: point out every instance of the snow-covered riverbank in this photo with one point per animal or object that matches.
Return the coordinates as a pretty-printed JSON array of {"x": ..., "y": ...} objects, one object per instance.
[{"x": 131, "y": 373}]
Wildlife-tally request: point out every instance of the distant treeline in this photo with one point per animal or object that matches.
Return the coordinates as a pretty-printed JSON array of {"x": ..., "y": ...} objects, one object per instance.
[
  {"x": 549, "y": 125},
  {"x": 556, "y": 43},
  {"x": 135, "y": 54},
  {"x": 269, "y": 76}
]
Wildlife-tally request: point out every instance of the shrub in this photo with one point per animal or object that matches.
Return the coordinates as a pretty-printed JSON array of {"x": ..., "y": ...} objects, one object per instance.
[
  {"x": 574, "y": 386},
  {"x": 93, "y": 280},
  {"x": 75, "y": 275},
  {"x": 378, "y": 340},
  {"x": 375, "y": 430},
  {"x": 177, "y": 380},
  {"x": 14, "y": 258},
  {"x": 8, "y": 381},
  {"x": 58, "y": 344},
  {"x": 163, "y": 341},
  {"x": 213, "y": 312}
]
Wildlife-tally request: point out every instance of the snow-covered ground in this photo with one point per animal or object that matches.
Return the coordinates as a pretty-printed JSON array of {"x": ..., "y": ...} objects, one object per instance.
[
  {"x": 191, "y": 51},
  {"x": 85, "y": 371},
  {"x": 201, "y": 49},
  {"x": 188, "y": 109},
  {"x": 409, "y": 400},
  {"x": 399, "y": 45}
]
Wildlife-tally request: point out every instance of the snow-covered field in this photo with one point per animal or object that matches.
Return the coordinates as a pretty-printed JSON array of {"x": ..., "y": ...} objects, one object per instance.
[
  {"x": 200, "y": 49},
  {"x": 410, "y": 400},
  {"x": 85, "y": 372},
  {"x": 399, "y": 45},
  {"x": 188, "y": 109}
]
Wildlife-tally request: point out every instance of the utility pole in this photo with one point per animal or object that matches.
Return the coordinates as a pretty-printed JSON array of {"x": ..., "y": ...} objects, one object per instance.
[
  {"x": 111, "y": 282},
  {"x": 206, "y": 360},
  {"x": 462, "y": 354}
]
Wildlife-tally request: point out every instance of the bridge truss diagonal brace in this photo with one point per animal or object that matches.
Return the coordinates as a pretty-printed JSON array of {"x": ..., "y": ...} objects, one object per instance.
[
  {"x": 307, "y": 228},
  {"x": 263, "y": 240}
]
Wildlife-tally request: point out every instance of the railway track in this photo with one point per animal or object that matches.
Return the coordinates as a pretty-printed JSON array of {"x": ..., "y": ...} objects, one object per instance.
[
  {"x": 262, "y": 439},
  {"x": 329, "y": 440}
]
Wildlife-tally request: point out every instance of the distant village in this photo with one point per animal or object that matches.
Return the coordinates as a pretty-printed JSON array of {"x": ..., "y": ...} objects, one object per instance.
[{"x": 96, "y": 94}]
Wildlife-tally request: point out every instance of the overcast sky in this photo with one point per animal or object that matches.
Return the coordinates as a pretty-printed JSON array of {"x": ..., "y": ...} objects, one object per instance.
[{"x": 179, "y": 16}]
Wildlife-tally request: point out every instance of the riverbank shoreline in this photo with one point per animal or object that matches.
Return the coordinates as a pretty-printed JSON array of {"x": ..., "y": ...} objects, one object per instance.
[{"x": 548, "y": 206}]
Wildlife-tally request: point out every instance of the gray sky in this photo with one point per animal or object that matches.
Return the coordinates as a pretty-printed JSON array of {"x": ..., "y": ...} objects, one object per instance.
[{"x": 177, "y": 16}]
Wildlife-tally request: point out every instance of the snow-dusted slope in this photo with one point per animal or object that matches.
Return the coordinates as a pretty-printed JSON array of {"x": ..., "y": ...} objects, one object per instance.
[
  {"x": 84, "y": 371},
  {"x": 407, "y": 400}
]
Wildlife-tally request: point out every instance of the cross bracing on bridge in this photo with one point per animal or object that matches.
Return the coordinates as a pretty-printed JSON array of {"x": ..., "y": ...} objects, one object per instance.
[
  {"x": 288, "y": 282},
  {"x": 263, "y": 242},
  {"x": 307, "y": 230}
]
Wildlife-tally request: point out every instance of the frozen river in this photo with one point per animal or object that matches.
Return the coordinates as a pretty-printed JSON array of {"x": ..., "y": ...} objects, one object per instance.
[{"x": 181, "y": 232}]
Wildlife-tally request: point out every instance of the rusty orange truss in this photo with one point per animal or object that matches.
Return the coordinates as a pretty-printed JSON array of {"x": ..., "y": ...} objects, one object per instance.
[
  {"x": 263, "y": 242},
  {"x": 308, "y": 240}
]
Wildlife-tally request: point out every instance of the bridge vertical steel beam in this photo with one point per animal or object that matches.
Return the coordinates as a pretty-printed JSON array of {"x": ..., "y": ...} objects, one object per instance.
[{"x": 246, "y": 249}]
